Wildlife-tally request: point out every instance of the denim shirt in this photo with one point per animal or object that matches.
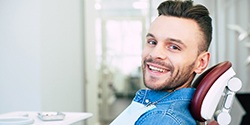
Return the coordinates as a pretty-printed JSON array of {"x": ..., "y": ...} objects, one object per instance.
[
  {"x": 151, "y": 107},
  {"x": 171, "y": 108}
]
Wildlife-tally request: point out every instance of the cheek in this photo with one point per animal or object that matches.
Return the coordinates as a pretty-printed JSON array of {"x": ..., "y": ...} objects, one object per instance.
[
  {"x": 145, "y": 52},
  {"x": 183, "y": 58},
  {"x": 177, "y": 61}
]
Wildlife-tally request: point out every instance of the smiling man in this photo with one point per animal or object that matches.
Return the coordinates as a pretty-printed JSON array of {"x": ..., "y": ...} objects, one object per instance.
[
  {"x": 176, "y": 49},
  {"x": 171, "y": 55}
]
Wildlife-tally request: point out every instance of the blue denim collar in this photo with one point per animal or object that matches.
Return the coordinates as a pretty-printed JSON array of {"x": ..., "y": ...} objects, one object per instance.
[{"x": 147, "y": 96}]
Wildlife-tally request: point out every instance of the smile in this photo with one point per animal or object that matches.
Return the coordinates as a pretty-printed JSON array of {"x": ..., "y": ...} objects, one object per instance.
[{"x": 157, "y": 69}]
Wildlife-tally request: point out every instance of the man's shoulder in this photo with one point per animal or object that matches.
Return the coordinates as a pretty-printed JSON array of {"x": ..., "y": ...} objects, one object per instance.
[
  {"x": 158, "y": 116},
  {"x": 173, "y": 110}
]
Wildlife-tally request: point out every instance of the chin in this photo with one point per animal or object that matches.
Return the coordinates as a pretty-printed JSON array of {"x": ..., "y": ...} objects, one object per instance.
[{"x": 154, "y": 85}]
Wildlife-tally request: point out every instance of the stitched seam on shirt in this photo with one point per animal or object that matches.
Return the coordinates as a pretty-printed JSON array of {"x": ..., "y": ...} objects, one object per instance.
[
  {"x": 171, "y": 112},
  {"x": 164, "y": 113},
  {"x": 171, "y": 101}
]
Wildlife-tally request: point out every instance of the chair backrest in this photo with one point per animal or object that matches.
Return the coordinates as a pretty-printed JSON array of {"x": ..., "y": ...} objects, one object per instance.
[{"x": 210, "y": 86}]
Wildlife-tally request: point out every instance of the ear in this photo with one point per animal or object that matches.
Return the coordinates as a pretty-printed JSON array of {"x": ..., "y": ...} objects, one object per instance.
[{"x": 202, "y": 62}]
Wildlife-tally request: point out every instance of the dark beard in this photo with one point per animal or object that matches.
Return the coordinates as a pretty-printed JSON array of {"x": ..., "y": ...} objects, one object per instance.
[
  {"x": 180, "y": 79},
  {"x": 174, "y": 81}
]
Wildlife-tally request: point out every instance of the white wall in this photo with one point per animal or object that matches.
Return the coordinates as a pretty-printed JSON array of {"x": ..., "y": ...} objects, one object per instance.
[
  {"x": 20, "y": 62},
  {"x": 61, "y": 55},
  {"x": 41, "y": 55}
]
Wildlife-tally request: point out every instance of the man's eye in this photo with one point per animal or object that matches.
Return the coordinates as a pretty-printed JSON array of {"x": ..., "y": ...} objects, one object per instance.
[
  {"x": 174, "y": 47},
  {"x": 152, "y": 42}
]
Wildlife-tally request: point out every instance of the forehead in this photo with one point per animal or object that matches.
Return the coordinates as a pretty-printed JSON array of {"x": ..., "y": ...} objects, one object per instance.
[{"x": 186, "y": 30}]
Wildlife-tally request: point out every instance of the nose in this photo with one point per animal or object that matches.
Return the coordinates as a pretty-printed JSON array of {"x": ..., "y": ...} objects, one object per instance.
[{"x": 159, "y": 52}]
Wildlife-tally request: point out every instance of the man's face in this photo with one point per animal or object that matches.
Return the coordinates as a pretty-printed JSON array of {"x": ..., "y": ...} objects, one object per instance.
[{"x": 170, "y": 53}]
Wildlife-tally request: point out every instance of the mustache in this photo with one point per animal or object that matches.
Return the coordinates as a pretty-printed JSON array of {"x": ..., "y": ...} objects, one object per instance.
[{"x": 169, "y": 66}]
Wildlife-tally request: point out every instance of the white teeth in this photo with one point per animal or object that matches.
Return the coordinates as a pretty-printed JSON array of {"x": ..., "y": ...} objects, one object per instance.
[{"x": 156, "y": 69}]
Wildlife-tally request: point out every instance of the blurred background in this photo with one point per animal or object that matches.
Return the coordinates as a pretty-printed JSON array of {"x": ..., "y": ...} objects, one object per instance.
[{"x": 85, "y": 55}]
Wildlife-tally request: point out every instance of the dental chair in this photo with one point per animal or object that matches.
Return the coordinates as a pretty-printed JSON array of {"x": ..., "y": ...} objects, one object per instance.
[{"x": 214, "y": 95}]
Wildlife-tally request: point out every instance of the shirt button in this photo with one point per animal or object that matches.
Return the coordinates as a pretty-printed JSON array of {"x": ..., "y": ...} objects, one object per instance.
[{"x": 147, "y": 101}]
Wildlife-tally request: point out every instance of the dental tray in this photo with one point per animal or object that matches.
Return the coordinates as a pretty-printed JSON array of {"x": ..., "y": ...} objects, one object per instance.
[{"x": 51, "y": 116}]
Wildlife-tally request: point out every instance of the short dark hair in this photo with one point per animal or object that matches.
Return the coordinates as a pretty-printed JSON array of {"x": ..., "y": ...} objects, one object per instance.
[{"x": 186, "y": 9}]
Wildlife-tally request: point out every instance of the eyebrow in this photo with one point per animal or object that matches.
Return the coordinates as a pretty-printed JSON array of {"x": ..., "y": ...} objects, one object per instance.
[
  {"x": 168, "y": 39},
  {"x": 150, "y": 35}
]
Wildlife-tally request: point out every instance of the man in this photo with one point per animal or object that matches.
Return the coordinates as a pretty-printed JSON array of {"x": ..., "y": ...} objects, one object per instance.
[{"x": 176, "y": 49}]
